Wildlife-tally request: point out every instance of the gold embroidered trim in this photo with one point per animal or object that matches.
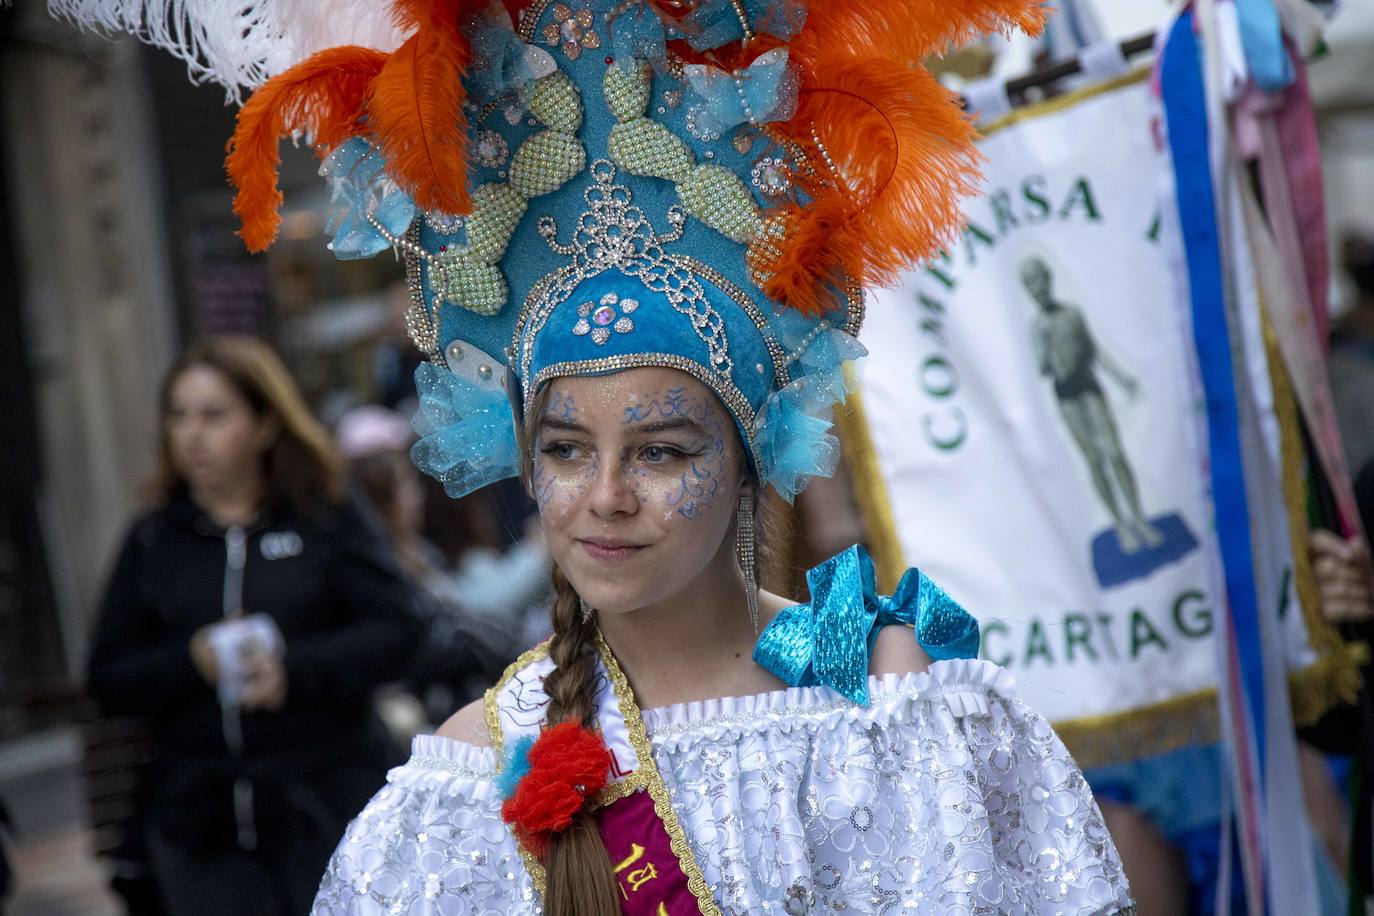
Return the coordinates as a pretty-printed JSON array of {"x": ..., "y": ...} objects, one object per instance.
[
  {"x": 653, "y": 781},
  {"x": 623, "y": 789},
  {"x": 493, "y": 696},
  {"x": 497, "y": 738}
]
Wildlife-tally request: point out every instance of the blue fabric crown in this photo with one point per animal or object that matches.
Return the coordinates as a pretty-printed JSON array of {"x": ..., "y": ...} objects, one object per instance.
[{"x": 614, "y": 198}]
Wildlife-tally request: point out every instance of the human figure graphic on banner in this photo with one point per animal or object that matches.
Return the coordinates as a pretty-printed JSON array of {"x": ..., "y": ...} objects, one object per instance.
[{"x": 1067, "y": 352}]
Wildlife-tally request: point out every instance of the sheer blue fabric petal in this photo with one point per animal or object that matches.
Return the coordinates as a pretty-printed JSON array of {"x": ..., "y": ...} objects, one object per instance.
[
  {"x": 501, "y": 62},
  {"x": 764, "y": 91},
  {"x": 792, "y": 432},
  {"x": 466, "y": 429},
  {"x": 713, "y": 23},
  {"x": 636, "y": 33},
  {"x": 793, "y": 439},
  {"x": 830, "y": 640},
  {"x": 358, "y": 189}
]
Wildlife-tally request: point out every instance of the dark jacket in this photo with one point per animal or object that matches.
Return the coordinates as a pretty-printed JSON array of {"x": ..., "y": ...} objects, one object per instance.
[{"x": 346, "y": 618}]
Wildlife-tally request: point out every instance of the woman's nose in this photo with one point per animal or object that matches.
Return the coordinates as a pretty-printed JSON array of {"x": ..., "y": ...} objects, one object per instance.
[{"x": 612, "y": 492}]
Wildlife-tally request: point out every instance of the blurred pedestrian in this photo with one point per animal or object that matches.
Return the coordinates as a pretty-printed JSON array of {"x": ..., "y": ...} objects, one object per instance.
[
  {"x": 1351, "y": 364},
  {"x": 475, "y": 615},
  {"x": 249, "y": 616}
]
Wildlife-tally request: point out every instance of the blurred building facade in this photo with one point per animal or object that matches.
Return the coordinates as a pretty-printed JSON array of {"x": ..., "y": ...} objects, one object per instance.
[{"x": 89, "y": 324}]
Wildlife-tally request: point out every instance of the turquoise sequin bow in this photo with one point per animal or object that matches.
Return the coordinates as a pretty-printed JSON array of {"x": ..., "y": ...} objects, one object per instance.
[{"x": 830, "y": 640}]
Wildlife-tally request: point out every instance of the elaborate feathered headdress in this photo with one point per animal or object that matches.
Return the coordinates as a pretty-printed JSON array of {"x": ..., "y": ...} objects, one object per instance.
[{"x": 584, "y": 186}]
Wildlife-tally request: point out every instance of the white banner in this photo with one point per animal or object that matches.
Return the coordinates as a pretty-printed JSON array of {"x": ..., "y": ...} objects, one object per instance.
[{"x": 1031, "y": 410}]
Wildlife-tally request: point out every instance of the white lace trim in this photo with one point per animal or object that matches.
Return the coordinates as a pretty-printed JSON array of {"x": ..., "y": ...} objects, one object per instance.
[
  {"x": 963, "y": 684},
  {"x": 453, "y": 767}
]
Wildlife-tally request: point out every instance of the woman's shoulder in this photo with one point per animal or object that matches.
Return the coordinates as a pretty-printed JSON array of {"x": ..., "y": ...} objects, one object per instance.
[
  {"x": 468, "y": 725},
  {"x": 515, "y": 701}
]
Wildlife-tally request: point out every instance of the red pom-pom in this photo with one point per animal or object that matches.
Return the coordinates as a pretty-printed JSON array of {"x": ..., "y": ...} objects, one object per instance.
[{"x": 568, "y": 765}]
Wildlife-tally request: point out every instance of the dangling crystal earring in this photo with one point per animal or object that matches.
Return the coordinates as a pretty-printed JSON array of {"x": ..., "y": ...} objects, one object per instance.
[
  {"x": 744, "y": 549},
  {"x": 586, "y": 609}
]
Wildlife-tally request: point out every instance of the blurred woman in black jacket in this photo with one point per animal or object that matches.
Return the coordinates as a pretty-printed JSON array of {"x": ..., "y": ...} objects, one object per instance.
[{"x": 264, "y": 746}]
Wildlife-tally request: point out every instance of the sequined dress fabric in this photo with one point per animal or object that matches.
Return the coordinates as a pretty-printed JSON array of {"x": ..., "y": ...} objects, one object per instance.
[{"x": 946, "y": 795}]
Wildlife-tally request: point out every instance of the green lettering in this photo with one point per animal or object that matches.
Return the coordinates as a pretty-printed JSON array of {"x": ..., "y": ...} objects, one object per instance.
[
  {"x": 1078, "y": 632},
  {"x": 1001, "y": 211},
  {"x": 1104, "y": 624},
  {"x": 938, "y": 378},
  {"x": 1032, "y": 189},
  {"x": 946, "y": 439},
  {"x": 1037, "y": 644},
  {"x": 1081, "y": 192},
  {"x": 989, "y": 627},
  {"x": 934, "y": 321},
  {"x": 939, "y": 274},
  {"x": 1198, "y": 622},
  {"x": 974, "y": 233},
  {"x": 1143, "y": 633},
  {"x": 1155, "y": 223}
]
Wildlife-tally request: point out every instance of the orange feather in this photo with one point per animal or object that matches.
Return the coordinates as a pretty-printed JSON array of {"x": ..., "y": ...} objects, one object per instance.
[
  {"x": 415, "y": 110},
  {"x": 902, "y": 149},
  {"x": 908, "y": 30},
  {"x": 903, "y": 159},
  {"x": 321, "y": 97},
  {"x": 415, "y": 14}
]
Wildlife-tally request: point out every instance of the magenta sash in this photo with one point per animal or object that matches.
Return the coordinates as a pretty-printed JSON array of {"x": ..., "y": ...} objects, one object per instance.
[{"x": 651, "y": 879}]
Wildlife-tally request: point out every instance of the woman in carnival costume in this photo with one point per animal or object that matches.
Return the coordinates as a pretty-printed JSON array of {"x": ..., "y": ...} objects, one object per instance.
[{"x": 636, "y": 236}]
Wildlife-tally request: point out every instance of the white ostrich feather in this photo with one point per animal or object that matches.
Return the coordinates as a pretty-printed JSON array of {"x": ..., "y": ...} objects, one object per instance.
[{"x": 239, "y": 44}]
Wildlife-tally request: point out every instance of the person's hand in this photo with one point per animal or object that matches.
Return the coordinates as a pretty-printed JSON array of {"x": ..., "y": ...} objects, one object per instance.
[
  {"x": 203, "y": 656},
  {"x": 1343, "y": 572},
  {"x": 264, "y": 682}
]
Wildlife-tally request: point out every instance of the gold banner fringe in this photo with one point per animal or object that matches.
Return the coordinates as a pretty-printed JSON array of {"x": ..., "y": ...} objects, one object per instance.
[
  {"x": 1339, "y": 683},
  {"x": 1187, "y": 720}
]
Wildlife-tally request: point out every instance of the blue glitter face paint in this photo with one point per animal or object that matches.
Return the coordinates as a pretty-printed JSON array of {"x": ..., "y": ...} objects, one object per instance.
[
  {"x": 636, "y": 475},
  {"x": 698, "y": 483},
  {"x": 563, "y": 468}
]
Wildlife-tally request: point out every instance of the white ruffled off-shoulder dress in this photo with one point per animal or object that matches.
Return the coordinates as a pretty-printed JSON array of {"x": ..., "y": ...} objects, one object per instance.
[{"x": 943, "y": 795}]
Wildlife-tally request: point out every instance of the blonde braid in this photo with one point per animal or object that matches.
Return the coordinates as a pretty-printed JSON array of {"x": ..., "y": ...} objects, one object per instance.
[
  {"x": 578, "y": 869},
  {"x": 579, "y": 879}
]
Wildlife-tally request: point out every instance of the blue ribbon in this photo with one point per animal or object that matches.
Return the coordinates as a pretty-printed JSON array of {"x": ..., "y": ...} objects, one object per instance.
[
  {"x": 1185, "y": 109},
  {"x": 830, "y": 640},
  {"x": 1261, "y": 35}
]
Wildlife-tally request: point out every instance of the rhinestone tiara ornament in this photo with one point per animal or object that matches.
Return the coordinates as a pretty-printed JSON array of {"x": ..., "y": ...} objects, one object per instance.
[{"x": 613, "y": 234}]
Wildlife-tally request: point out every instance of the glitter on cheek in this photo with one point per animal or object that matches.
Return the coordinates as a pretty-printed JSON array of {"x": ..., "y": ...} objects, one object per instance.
[
  {"x": 543, "y": 482},
  {"x": 557, "y": 489}
]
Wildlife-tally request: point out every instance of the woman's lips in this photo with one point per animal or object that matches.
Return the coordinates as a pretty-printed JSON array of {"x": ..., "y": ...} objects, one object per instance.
[{"x": 610, "y": 552}]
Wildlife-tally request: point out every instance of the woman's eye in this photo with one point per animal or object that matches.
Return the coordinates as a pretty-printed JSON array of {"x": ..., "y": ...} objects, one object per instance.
[
  {"x": 563, "y": 451},
  {"x": 657, "y": 454}
]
